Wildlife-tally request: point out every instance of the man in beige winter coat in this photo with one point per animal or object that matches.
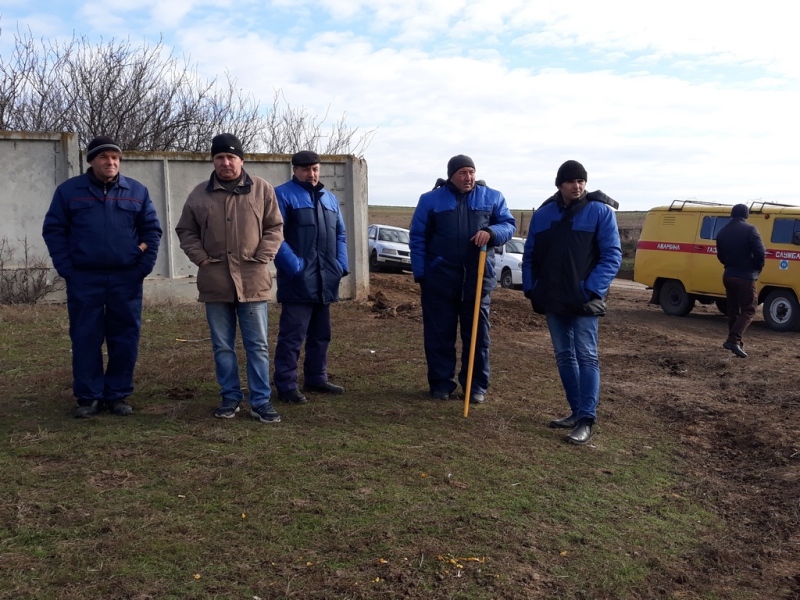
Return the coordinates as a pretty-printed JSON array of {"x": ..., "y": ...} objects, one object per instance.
[{"x": 231, "y": 228}]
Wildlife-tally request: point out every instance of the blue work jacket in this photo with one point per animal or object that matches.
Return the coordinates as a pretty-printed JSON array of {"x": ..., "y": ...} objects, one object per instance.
[{"x": 313, "y": 256}]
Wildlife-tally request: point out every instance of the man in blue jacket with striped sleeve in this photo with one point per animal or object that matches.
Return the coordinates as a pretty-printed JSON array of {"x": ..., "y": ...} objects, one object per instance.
[
  {"x": 450, "y": 225},
  {"x": 571, "y": 256},
  {"x": 310, "y": 264}
]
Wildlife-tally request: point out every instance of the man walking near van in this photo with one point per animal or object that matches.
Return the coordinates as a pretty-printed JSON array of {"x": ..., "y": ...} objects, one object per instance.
[
  {"x": 571, "y": 256},
  {"x": 740, "y": 249}
]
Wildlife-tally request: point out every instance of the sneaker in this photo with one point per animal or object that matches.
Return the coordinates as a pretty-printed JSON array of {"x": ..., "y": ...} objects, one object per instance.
[
  {"x": 294, "y": 396},
  {"x": 120, "y": 408},
  {"x": 87, "y": 409},
  {"x": 265, "y": 413},
  {"x": 227, "y": 408},
  {"x": 440, "y": 395},
  {"x": 477, "y": 398}
]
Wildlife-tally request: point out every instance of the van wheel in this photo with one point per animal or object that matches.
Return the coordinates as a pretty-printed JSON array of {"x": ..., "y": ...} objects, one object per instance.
[
  {"x": 722, "y": 306},
  {"x": 781, "y": 310},
  {"x": 506, "y": 280},
  {"x": 674, "y": 300}
]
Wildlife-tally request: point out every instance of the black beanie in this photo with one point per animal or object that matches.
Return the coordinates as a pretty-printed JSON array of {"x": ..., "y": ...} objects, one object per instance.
[
  {"x": 741, "y": 211},
  {"x": 98, "y": 145},
  {"x": 305, "y": 158},
  {"x": 226, "y": 142},
  {"x": 570, "y": 170},
  {"x": 458, "y": 162}
]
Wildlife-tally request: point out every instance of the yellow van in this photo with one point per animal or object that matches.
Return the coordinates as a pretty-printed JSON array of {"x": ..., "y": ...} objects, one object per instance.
[{"x": 677, "y": 257}]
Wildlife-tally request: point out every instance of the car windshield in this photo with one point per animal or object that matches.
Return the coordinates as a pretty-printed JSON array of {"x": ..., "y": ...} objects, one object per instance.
[
  {"x": 515, "y": 246},
  {"x": 393, "y": 235}
]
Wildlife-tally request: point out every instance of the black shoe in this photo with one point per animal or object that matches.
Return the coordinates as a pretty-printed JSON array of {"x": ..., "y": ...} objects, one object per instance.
[
  {"x": 568, "y": 422},
  {"x": 87, "y": 409},
  {"x": 324, "y": 388},
  {"x": 294, "y": 396},
  {"x": 735, "y": 348},
  {"x": 120, "y": 408},
  {"x": 477, "y": 398},
  {"x": 582, "y": 432},
  {"x": 440, "y": 395}
]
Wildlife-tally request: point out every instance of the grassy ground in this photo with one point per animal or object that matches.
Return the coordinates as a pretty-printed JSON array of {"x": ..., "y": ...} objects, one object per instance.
[{"x": 381, "y": 494}]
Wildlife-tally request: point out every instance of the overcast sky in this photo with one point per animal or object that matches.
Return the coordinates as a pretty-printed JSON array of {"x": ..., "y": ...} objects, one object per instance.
[{"x": 659, "y": 101}]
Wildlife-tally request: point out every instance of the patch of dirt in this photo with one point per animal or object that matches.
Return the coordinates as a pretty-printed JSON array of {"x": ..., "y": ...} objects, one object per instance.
[{"x": 736, "y": 421}]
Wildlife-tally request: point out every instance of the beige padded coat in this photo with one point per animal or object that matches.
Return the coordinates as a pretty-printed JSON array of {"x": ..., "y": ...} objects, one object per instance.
[{"x": 238, "y": 232}]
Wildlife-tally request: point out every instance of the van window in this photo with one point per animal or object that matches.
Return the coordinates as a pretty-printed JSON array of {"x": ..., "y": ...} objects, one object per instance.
[
  {"x": 783, "y": 230},
  {"x": 711, "y": 226}
]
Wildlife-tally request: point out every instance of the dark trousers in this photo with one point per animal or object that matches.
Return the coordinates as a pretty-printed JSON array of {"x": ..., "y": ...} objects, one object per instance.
[
  {"x": 441, "y": 318},
  {"x": 104, "y": 307},
  {"x": 742, "y": 302},
  {"x": 302, "y": 321}
]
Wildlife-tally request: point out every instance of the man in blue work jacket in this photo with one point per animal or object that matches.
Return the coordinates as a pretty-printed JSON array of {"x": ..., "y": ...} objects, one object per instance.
[
  {"x": 310, "y": 264},
  {"x": 449, "y": 226},
  {"x": 103, "y": 233}
]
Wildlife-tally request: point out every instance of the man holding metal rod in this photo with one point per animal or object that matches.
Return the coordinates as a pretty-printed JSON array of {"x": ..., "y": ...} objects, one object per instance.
[{"x": 450, "y": 226}]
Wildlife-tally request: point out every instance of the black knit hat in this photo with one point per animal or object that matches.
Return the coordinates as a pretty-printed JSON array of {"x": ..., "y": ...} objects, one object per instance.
[
  {"x": 305, "y": 158},
  {"x": 570, "y": 170},
  {"x": 458, "y": 162},
  {"x": 741, "y": 211},
  {"x": 100, "y": 144},
  {"x": 226, "y": 142}
]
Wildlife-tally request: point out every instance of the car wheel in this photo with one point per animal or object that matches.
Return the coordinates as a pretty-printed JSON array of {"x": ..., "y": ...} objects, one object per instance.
[
  {"x": 506, "y": 280},
  {"x": 373, "y": 261},
  {"x": 781, "y": 310},
  {"x": 722, "y": 306},
  {"x": 674, "y": 300}
]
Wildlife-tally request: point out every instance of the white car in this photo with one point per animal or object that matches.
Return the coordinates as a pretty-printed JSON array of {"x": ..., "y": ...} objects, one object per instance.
[
  {"x": 508, "y": 263},
  {"x": 388, "y": 247}
]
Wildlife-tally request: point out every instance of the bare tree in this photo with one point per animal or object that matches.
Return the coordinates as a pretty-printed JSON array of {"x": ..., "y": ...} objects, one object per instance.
[{"x": 148, "y": 100}]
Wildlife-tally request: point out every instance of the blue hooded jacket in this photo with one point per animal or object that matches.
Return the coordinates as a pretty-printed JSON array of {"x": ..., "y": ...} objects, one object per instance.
[
  {"x": 443, "y": 223},
  {"x": 90, "y": 227},
  {"x": 313, "y": 256}
]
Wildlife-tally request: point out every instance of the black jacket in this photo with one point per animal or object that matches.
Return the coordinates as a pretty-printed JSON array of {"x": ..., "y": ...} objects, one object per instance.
[{"x": 740, "y": 249}]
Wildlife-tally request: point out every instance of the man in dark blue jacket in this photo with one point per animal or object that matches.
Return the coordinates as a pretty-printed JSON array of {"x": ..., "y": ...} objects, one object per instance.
[
  {"x": 740, "y": 249},
  {"x": 448, "y": 229},
  {"x": 310, "y": 264},
  {"x": 103, "y": 233},
  {"x": 572, "y": 254}
]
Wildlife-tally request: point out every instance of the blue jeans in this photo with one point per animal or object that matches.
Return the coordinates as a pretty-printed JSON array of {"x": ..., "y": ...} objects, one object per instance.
[
  {"x": 252, "y": 317},
  {"x": 575, "y": 345}
]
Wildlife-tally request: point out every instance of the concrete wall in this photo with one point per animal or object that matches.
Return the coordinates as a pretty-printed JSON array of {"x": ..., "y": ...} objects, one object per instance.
[{"x": 35, "y": 163}]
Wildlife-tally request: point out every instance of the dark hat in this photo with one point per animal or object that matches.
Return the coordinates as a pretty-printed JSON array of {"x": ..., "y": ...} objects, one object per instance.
[
  {"x": 570, "y": 170},
  {"x": 98, "y": 145},
  {"x": 741, "y": 211},
  {"x": 226, "y": 142},
  {"x": 458, "y": 162},
  {"x": 305, "y": 158}
]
